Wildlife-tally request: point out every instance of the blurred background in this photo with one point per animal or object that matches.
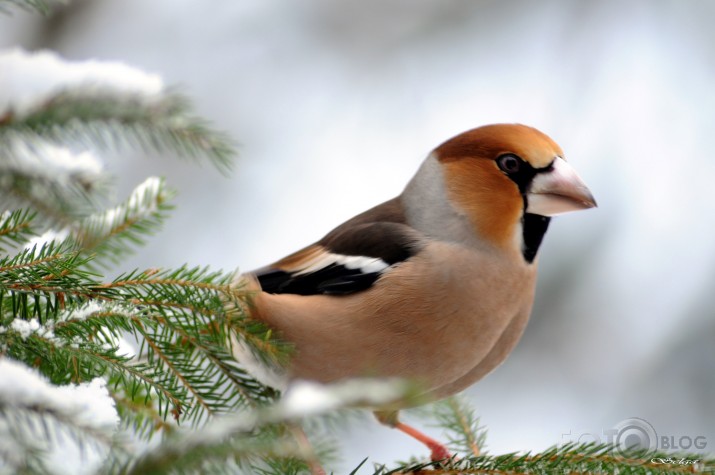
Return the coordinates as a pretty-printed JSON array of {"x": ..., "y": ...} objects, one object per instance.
[{"x": 335, "y": 104}]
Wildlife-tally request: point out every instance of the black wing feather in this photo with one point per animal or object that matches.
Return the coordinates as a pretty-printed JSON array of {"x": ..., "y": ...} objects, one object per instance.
[
  {"x": 391, "y": 242},
  {"x": 333, "y": 279}
]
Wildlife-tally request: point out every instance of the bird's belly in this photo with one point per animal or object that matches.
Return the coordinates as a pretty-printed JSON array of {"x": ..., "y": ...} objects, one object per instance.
[
  {"x": 484, "y": 365},
  {"x": 458, "y": 337}
]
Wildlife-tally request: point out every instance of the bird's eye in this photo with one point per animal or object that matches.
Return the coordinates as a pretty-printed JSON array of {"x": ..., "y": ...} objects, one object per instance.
[{"x": 509, "y": 163}]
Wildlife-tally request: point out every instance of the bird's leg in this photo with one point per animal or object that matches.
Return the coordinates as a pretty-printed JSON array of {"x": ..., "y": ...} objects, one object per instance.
[{"x": 438, "y": 451}]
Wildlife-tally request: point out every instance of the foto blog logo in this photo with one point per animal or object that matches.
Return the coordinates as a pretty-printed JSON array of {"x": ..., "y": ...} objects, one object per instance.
[{"x": 635, "y": 433}]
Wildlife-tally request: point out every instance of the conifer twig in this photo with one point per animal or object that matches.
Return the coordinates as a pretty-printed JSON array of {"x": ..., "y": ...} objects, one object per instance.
[{"x": 40, "y": 6}]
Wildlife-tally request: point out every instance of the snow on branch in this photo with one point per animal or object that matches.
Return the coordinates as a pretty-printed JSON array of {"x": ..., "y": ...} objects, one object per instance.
[
  {"x": 110, "y": 234},
  {"x": 245, "y": 438},
  {"x": 48, "y": 237},
  {"x": 307, "y": 398},
  {"x": 87, "y": 403},
  {"x": 48, "y": 177},
  {"x": 49, "y": 162},
  {"x": 35, "y": 413},
  {"x": 30, "y": 81},
  {"x": 52, "y": 111},
  {"x": 113, "y": 233},
  {"x": 101, "y": 104},
  {"x": 15, "y": 228}
]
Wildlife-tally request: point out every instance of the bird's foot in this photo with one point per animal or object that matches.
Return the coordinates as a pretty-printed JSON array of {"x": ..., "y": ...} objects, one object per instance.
[{"x": 438, "y": 452}]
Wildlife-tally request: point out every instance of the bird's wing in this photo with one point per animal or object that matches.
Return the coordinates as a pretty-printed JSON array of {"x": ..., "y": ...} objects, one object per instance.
[{"x": 348, "y": 260}]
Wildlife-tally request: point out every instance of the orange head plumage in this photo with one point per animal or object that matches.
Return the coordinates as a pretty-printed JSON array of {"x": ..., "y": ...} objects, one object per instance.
[{"x": 499, "y": 175}]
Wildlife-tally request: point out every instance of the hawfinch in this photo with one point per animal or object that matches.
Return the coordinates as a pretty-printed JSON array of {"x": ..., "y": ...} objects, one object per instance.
[{"x": 435, "y": 285}]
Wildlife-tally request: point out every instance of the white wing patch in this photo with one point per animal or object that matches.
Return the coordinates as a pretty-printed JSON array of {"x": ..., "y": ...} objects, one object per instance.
[{"x": 366, "y": 265}]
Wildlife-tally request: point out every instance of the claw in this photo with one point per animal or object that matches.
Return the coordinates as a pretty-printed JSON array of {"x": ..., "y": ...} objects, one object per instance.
[{"x": 439, "y": 452}]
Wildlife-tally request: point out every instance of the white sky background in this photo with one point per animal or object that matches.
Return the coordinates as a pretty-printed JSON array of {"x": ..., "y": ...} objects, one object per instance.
[{"x": 335, "y": 104}]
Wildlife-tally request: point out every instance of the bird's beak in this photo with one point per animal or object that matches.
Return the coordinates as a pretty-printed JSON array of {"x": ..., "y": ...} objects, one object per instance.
[{"x": 558, "y": 190}]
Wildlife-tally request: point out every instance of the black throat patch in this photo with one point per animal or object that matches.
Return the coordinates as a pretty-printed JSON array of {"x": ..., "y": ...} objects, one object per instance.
[{"x": 534, "y": 227}]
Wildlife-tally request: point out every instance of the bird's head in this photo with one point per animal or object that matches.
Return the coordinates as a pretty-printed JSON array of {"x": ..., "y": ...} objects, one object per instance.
[{"x": 505, "y": 176}]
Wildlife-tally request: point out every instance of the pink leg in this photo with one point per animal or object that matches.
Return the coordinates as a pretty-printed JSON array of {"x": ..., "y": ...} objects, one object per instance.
[{"x": 438, "y": 450}]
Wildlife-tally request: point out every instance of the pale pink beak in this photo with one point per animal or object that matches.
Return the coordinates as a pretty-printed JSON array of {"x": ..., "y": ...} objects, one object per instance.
[{"x": 557, "y": 191}]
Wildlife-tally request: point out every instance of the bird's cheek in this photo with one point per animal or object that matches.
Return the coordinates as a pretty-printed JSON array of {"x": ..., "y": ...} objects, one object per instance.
[{"x": 493, "y": 208}]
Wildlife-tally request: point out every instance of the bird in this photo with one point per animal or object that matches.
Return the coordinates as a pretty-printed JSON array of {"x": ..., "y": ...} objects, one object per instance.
[{"x": 435, "y": 285}]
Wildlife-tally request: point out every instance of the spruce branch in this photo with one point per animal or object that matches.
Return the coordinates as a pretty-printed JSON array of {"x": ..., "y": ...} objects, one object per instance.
[
  {"x": 112, "y": 234},
  {"x": 221, "y": 450},
  {"x": 51, "y": 179},
  {"x": 58, "y": 313},
  {"x": 116, "y": 122},
  {"x": 35, "y": 414},
  {"x": 139, "y": 414},
  {"x": 187, "y": 341},
  {"x": 16, "y": 227},
  {"x": 40, "y": 6},
  {"x": 569, "y": 458},
  {"x": 267, "y": 440},
  {"x": 182, "y": 365},
  {"x": 183, "y": 360},
  {"x": 459, "y": 420},
  {"x": 52, "y": 269}
]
